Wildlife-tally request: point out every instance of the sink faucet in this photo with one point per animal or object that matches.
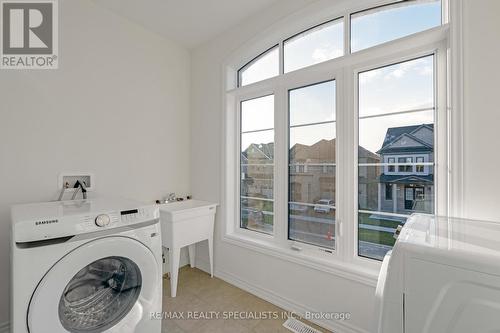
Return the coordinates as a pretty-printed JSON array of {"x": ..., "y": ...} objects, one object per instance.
[{"x": 171, "y": 198}]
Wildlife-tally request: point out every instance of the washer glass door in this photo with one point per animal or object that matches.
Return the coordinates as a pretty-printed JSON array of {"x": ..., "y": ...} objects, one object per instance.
[
  {"x": 100, "y": 295},
  {"x": 108, "y": 284}
]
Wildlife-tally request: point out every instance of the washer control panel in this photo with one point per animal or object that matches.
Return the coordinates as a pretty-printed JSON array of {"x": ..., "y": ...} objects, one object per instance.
[
  {"x": 115, "y": 219},
  {"x": 43, "y": 221},
  {"x": 102, "y": 220},
  {"x": 137, "y": 215}
]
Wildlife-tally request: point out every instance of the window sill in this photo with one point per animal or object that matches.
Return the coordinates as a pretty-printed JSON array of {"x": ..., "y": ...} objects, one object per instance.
[{"x": 354, "y": 272}]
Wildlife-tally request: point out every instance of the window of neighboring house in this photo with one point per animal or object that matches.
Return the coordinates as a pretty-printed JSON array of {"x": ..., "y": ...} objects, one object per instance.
[
  {"x": 419, "y": 168},
  {"x": 257, "y": 164},
  {"x": 405, "y": 164},
  {"x": 312, "y": 133},
  {"x": 391, "y": 167},
  {"x": 388, "y": 191},
  {"x": 385, "y": 23},
  {"x": 318, "y": 44},
  {"x": 262, "y": 67}
]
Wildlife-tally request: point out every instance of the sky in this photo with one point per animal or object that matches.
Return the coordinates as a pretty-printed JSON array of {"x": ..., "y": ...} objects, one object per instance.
[
  {"x": 374, "y": 27},
  {"x": 400, "y": 87},
  {"x": 267, "y": 66},
  {"x": 315, "y": 46}
]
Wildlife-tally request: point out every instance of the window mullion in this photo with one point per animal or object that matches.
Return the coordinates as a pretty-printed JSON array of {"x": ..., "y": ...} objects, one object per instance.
[
  {"x": 341, "y": 188},
  {"x": 348, "y": 164},
  {"x": 281, "y": 58},
  {"x": 280, "y": 166},
  {"x": 347, "y": 33},
  {"x": 441, "y": 160}
]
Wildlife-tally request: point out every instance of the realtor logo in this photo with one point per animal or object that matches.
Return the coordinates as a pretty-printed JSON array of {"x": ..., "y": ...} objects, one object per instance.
[{"x": 29, "y": 34}]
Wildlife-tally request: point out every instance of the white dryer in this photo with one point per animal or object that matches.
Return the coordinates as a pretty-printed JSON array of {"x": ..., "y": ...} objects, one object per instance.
[
  {"x": 443, "y": 276},
  {"x": 86, "y": 266}
]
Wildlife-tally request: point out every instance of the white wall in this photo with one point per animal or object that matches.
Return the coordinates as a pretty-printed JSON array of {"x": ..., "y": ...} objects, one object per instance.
[
  {"x": 293, "y": 284},
  {"x": 482, "y": 109},
  {"x": 118, "y": 106}
]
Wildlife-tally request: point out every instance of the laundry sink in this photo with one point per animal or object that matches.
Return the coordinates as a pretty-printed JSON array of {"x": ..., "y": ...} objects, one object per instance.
[
  {"x": 185, "y": 210},
  {"x": 185, "y": 223}
]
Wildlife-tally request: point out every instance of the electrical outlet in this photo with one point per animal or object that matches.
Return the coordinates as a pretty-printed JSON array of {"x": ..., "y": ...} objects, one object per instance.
[{"x": 68, "y": 180}]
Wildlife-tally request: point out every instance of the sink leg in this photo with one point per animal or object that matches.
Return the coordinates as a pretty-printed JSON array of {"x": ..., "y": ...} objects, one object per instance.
[
  {"x": 192, "y": 254},
  {"x": 174, "y": 254},
  {"x": 211, "y": 255}
]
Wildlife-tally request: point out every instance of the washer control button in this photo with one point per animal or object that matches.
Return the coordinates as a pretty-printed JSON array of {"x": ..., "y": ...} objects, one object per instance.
[{"x": 102, "y": 220}]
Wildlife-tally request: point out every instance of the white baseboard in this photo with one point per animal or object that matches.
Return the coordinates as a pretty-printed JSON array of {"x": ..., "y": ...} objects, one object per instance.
[
  {"x": 5, "y": 327},
  {"x": 203, "y": 265},
  {"x": 287, "y": 304}
]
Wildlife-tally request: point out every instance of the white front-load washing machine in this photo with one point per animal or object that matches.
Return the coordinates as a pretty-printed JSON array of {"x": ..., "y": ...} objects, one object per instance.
[{"x": 86, "y": 266}]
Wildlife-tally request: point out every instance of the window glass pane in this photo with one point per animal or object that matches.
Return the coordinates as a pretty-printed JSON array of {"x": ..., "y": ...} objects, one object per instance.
[
  {"x": 257, "y": 180},
  {"x": 410, "y": 132},
  {"x": 312, "y": 104},
  {"x": 257, "y": 215},
  {"x": 311, "y": 184},
  {"x": 257, "y": 147},
  {"x": 375, "y": 232},
  {"x": 312, "y": 165},
  {"x": 419, "y": 167},
  {"x": 404, "y": 164},
  {"x": 382, "y": 24},
  {"x": 405, "y": 86},
  {"x": 410, "y": 194},
  {"x": 396, "y": 163},
  {"x": 312, "y": 225},
  {"x": 313, "y": 143},
  {"x": 263, "y": 67},
  {"x": 315, "y": 45},
  {"x": 257, "y": 114},
  {"x": 257, "y": 164},
  {"x": 391, "y": 167}
]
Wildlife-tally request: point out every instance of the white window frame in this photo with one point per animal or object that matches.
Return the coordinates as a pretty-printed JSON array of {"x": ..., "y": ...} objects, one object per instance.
[
  {"x": 328, "y": 75},
  {"x": 244, "y": 231},
  {"x": 344, "y": 261},
  {"x": 438, "y": 48}
]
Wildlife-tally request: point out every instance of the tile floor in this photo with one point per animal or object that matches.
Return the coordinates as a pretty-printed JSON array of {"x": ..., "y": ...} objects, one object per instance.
[{"x": 198, "y": 293}]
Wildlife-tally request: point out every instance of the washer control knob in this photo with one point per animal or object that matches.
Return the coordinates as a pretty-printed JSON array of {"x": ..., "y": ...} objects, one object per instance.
[{"x": 102, "y": 220}]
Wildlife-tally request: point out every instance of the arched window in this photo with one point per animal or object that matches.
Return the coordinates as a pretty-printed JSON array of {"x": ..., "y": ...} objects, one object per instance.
[
  {"x": 318, "y": 44},
  {"x": 264, "y": 66},
  {"x": 385, "y": 23},
  {"x": 341, "y": 131}
]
